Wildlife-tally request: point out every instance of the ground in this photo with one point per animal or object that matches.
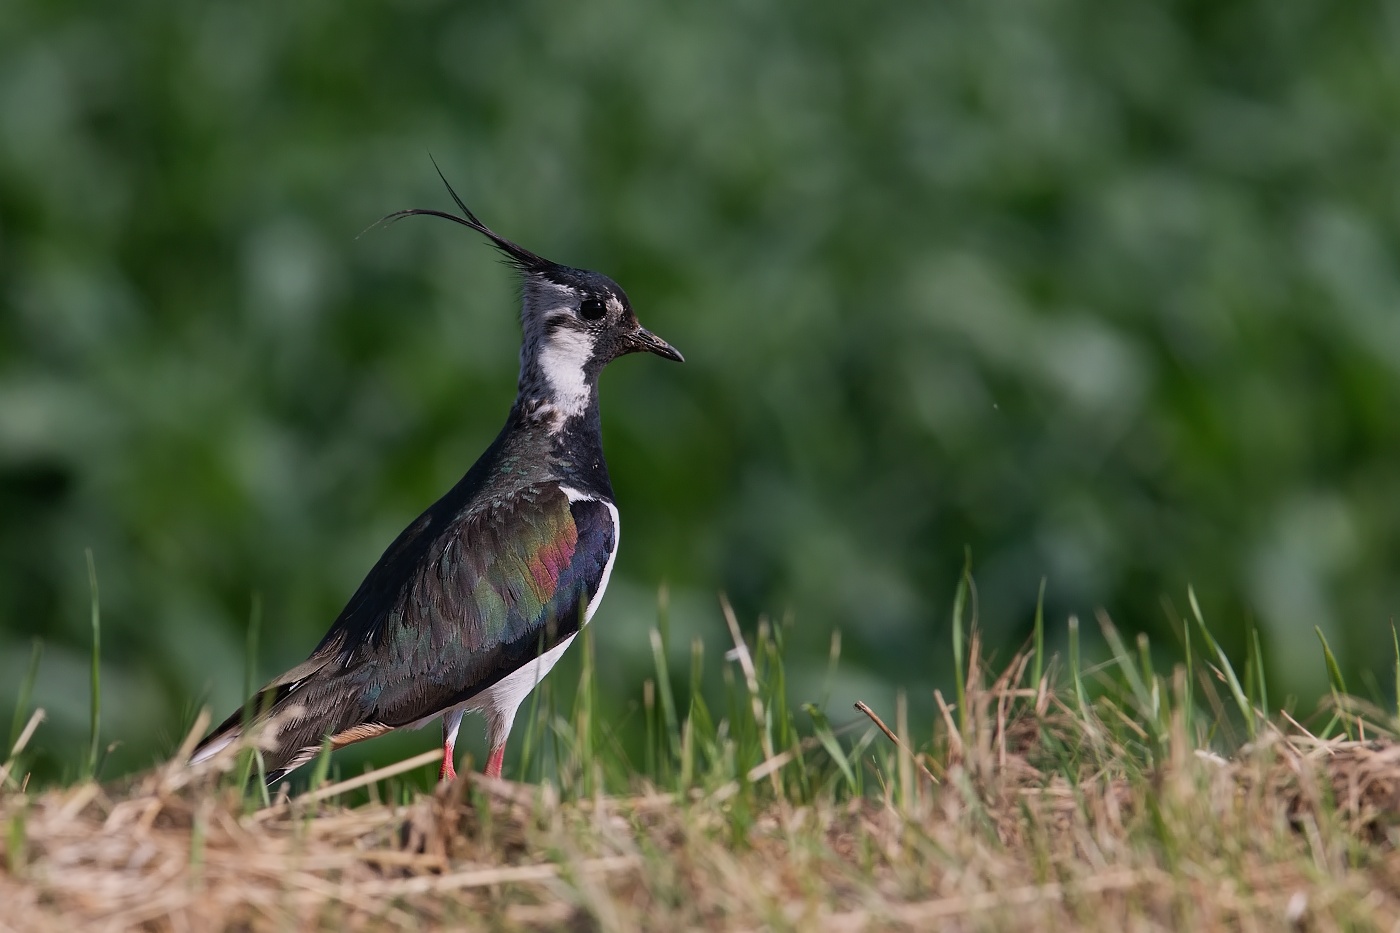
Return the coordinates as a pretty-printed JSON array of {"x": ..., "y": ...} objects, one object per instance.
[{"x": 1038, "y": 803}]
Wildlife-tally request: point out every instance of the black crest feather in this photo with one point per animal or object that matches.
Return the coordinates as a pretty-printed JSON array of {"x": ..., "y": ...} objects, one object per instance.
[{"x": 521, "y": 257}]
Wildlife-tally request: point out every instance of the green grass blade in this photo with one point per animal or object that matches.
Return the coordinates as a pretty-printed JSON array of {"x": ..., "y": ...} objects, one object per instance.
[
  {"x": 959, "y": 674},
  {"x": 702, "y": 729},
  {"x": 531, "y": 739},
  {"x": 585, "y": 718},
  {"x": 1188, "y": 701},
  {"x": 650, "y": 763},
  {"x": 1128, "y": 666},
  {"x": 1337, "y": 683},
  {"x": 26, "y": 691},
  {"x": 1236, "y": 691},
  {"x": 1258, "y": 663},
  {"x": 250, "y": 646},
  {"x": 264, "y": 793},
  {"x": 17, "y": 846},
  {"x": 95, "y": 703},
  {"x": 833, "y": 655},
  {"x": 1149, "y": 677},
  {"x": 827, "y": 738},
  {"x": 1038, "y": 660},
  {"x": 322, "y": 767},
  {"x": 1334, "y": 673},
  {"x": 668, "y": 700},
  {"x": 1395, "y": 640},
  {"x": 1075, "y": 670}
]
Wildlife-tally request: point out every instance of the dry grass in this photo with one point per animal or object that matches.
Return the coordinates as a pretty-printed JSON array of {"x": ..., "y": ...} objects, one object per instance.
[{"x": 1028, "y": 808}]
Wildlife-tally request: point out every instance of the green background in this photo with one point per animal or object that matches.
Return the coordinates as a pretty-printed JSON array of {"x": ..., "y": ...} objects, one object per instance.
[{"x": 1105, "y": 293}]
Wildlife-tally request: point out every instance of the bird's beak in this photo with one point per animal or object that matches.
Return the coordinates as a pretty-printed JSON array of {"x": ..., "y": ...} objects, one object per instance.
[{"x": 644, "y": 339}]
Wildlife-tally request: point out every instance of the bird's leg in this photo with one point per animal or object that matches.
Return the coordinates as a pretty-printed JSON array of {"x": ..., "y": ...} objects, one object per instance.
[
  {"x": 451, "y": 721},
  {"x": 448, "y": 772},
  {"x": 498, "y": 730},
  {"x": 493, "y": 764}
]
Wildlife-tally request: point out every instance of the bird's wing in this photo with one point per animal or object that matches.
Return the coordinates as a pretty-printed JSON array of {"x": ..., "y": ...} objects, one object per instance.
[
  {"x": 501, "y": 586},
  {"x": 456, "y": 603}
]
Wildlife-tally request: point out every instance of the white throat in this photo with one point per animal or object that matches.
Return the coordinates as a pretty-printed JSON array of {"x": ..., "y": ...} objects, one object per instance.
[{"x": 562, "y": 360}]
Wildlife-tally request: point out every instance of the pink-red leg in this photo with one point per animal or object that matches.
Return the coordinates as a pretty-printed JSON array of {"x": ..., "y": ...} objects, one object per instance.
[
  {"x": 493, "y": 764},
  {"x": 448, "y": 772},
  {"x": 450, "y": 722}
]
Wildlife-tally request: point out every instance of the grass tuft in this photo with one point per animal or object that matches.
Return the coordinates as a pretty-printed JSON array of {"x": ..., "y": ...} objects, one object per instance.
[
  {"x": 1225, "y": 669},
  {"x": 1044, "y": 797}
]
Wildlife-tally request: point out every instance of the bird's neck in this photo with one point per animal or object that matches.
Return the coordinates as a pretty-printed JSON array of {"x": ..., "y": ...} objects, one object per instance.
[
  {"x": 558, "y": 376},
  {"x": 529, "y": 451},
  {"x": 560, "y": 438},
  {"x": 556, "y": 407}
]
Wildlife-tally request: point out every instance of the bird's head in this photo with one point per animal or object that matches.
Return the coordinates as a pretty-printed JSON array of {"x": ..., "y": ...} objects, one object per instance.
[{"x": 574, "y": 322}]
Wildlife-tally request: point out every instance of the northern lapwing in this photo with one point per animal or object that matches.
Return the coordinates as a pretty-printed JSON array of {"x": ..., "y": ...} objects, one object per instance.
[{"x": 475, "y": 601}]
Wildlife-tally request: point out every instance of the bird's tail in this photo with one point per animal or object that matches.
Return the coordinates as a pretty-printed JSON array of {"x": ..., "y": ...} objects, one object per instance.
[{"x": 299, "y": 711}]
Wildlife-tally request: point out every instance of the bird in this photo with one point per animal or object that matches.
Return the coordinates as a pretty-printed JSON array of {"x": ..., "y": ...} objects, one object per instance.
[{"x": 474, "y": 602}]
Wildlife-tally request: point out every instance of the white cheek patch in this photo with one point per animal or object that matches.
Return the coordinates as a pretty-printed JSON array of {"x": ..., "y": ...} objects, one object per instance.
[{"x": 562, "y": 360}]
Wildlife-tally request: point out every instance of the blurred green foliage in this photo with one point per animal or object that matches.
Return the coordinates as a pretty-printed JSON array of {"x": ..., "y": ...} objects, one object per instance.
[{"x": 1107, "y": 293}]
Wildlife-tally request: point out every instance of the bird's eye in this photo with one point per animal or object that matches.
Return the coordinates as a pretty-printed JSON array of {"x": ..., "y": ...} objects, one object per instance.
[{"x": 592, "y": 309}]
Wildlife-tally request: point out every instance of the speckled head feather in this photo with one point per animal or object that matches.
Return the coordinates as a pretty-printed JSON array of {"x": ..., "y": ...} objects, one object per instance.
[{"x": 573, "y": 321}]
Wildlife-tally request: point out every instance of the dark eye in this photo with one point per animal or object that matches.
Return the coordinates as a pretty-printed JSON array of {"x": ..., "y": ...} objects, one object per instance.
[{"x": 592, "y": 309}]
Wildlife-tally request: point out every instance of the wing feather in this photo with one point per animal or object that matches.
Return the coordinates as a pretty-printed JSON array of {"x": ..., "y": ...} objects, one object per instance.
[
  {"x": 509, "y": 583},
  {"x": 456, "y": 603}
]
